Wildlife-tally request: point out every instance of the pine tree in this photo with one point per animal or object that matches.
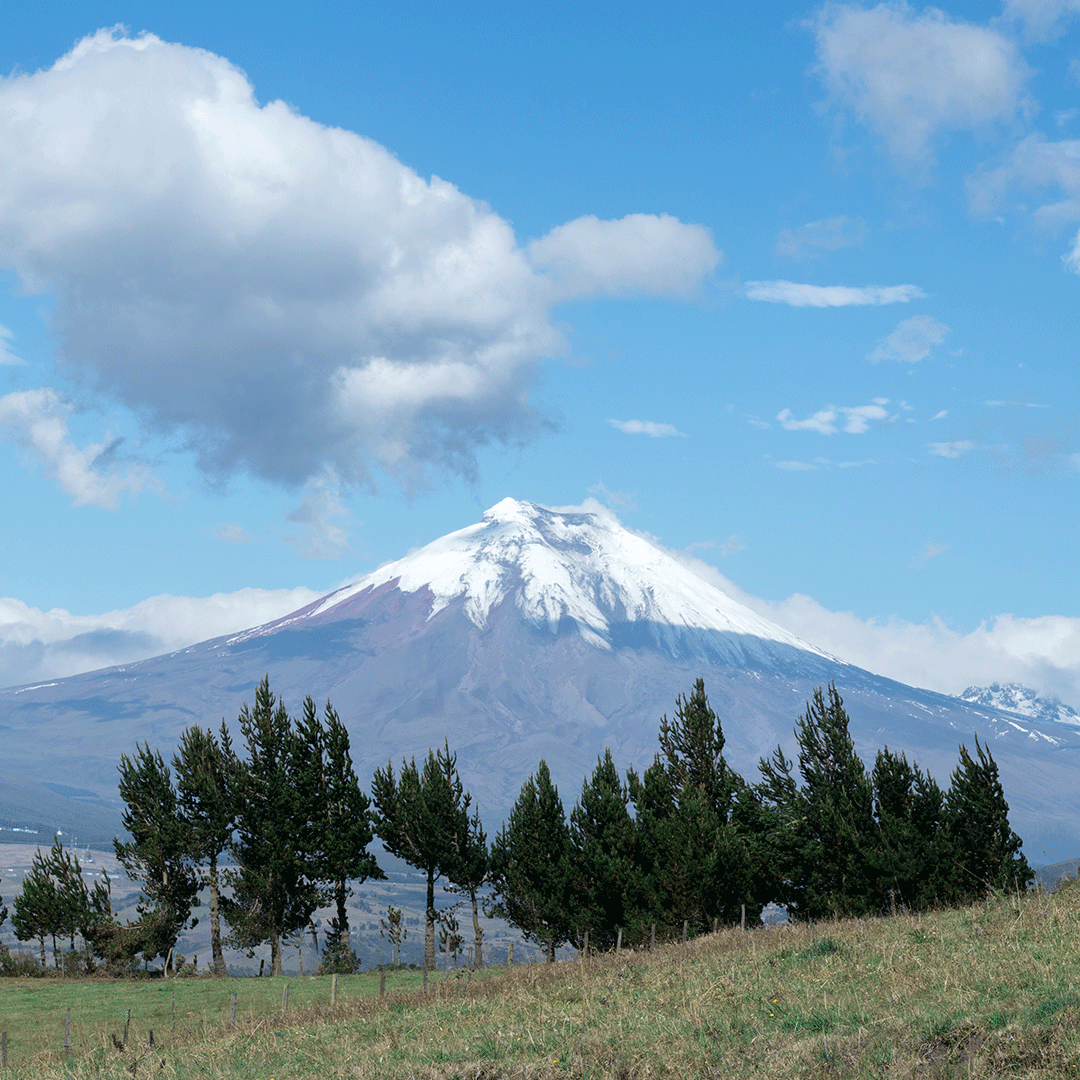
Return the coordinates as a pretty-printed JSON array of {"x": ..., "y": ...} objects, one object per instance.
[
  {"x": 274, "y": 891},
  {"x": 913, "y": 856},
  {"x": 532, "y": 868},
  {"x": 37, "y": 907},
  {"x": 469, "y": 873},
  {"x": 420, "y": 818},
  {"x": 159, "y": 855},
  {"x": 825, "y": 831},
  {"x": 341, "y": 820},
  {"x": 698, "y": 864},
  {"x": 73, "y": 896},
  {"x": 206, "y": 774},
  {"x": 606, "y": 885},
  {"x": 987, "y": 852}
]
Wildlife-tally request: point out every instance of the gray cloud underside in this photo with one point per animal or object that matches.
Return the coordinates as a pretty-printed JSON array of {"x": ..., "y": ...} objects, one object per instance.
[{"x": 290, "y": 299}]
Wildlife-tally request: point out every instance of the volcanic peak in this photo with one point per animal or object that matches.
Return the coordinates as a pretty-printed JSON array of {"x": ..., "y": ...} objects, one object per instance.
[{"x": 559, "y": 564}]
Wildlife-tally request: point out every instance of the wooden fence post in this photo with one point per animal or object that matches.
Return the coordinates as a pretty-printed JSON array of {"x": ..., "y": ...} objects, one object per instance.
[
  {"x": 382, "y": 983},
  {"x": 585, "y": 951},
  {"x": 618, "y": 941},
  {"x": 232, "y": 1009},
  {"x": 333, "y": 989},
  {"x": 685, "y": 926},
  {"x": 510, "y": 956},
  {"x": 285, "y": 1000},
  {"x": 67, "y": 1034},
  {"x": 742, "y": 919},
  {"x": 127, "y": 1024},
  {"x": 446, "y": 974},
  {"x": 174, "y": 1010}
]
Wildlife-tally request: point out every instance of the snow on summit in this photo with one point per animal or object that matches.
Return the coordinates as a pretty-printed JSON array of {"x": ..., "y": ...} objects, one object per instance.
[{"x": 568, "y": 563}]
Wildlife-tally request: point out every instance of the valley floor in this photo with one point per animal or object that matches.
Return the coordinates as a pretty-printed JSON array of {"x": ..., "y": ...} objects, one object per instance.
[{"x": 987, "y": 991}]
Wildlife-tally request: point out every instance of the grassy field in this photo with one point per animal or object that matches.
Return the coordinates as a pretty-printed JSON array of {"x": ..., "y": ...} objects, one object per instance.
[{"x": 984, "y": 992}]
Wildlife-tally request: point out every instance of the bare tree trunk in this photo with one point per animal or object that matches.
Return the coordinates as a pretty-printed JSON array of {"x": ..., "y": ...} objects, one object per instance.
[
  {"x": 429, "y": 924},
  {"x": 275, "y": 952},
  {"x": 215, "y": 921},
  {"x": 478, "y": 930},
  {"x": 342, "y": 919}
]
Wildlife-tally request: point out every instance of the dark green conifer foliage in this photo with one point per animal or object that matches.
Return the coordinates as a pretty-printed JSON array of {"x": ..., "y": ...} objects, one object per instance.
[
  {"x": 825, "y": 830},
  {"x": 913, "y": 857},
  {"x": 159, "y": 855},
  {"x": 606, "y": 885},
  {"x": 532, "y": 868},
  {"x": 692, "y": 751},
  {"x": 420, "y": 819},
  {"x": 340, "y": 821},
  {"x": 73, "y": 896},
  {"x": 470, "y": 872},
  {"x": 985, "y": 849},
  {"x": 695, "y": 860},
  {"x": 37, "y": 907},
  {"x": 206, "y": 778},
  {"x": 274, "y": 890}
]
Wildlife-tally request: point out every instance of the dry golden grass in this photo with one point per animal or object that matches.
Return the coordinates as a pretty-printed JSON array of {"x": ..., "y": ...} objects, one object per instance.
[{"x": 982, "y": 992}]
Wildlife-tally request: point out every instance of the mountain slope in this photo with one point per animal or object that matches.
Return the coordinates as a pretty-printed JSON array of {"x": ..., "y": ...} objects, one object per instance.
[{"x": 535, "y": 633}]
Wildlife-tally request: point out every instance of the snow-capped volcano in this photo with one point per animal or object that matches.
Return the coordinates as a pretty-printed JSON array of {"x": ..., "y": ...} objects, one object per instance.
[
  {"x": 557, "y": 567},
  {"x": 1023, "y": 701},
  {"x": 536, "y": 633}
]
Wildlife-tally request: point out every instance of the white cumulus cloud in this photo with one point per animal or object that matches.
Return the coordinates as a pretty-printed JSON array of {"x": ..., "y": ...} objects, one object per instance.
[
  {"x": 909, "y": 75},
  {"x": 1041, "y": 652},
  {"x": 37, "y": 645},
  {"x": 287, "y": 298},
  {"x": 640, "y": 253},
  {"x": 646, "y": 427},
  {"x": 797, "y": 294},
  {"x": 95, "y": 475},
  {"x": 854, "y": 419},
  {"x": 911, "y": 341}
]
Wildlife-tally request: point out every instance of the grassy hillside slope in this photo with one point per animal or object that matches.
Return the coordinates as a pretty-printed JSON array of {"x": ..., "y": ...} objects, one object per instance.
[{"x": 986, "y": 991}]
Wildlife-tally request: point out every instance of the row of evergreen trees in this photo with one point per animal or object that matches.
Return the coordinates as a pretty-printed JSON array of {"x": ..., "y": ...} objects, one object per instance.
[{"x": 688, "y": 841}]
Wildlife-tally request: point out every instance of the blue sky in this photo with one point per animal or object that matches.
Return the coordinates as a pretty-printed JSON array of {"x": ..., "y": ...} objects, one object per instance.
[{"x": 290, "y": 289}]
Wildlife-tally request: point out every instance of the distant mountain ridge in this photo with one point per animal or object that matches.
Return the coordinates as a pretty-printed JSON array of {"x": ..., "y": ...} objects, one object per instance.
[
  {"x": 1022, "y": 701},
  {"x": 539, "y": 632}
]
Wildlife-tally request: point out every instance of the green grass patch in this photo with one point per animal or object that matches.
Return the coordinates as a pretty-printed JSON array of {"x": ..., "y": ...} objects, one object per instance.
[{"x": 984, "y": 992}]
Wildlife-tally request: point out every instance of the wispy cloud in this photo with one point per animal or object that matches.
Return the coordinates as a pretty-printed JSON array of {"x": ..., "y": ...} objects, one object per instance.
[
  {"x": 798, "y": 294},
  {"x": 318, "y": 514},
  {"x": 909, "y": 75},
  {"x": 953, "y": 449},
  {"x": 232, "y": 533},
  {"x": 911, "y": 341},
  {"x": 625, "y": 499},
  {"x": 929, "y": 551},
  {"x": 796, "y": 466},
  {"x": 855, "y": 420},
  {"x": 1017, "y": 404},
  {"x": 828, "y": 234},
  {"x": 940, "y": 415},
  {"x": 6, "y": 355},
  {"x": 36, "y": 645},
  {"x": 93, "y": 475},
  {"x": 646, "y": 427}
]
